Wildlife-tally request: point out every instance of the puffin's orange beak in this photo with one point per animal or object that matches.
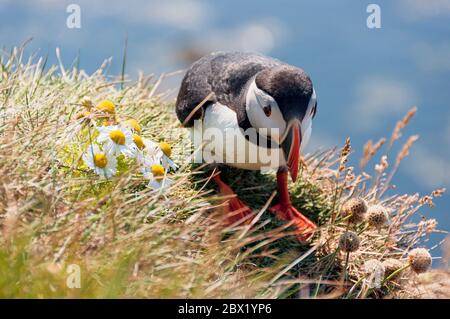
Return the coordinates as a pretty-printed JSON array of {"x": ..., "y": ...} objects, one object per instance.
[{"x": 291, "y": 147}]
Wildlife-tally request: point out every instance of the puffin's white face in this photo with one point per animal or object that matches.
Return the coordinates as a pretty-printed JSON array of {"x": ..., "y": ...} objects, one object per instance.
[
  {"x": 263, "y": 112},
  {"x": 306, "y": 125}
]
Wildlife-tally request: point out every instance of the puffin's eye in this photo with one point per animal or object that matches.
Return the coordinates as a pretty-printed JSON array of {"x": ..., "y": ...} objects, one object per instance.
[{"x": 267, "y": 110}]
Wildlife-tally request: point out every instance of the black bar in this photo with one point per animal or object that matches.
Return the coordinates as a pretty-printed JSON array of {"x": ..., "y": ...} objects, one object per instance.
[{"x": 226, "y": 308}]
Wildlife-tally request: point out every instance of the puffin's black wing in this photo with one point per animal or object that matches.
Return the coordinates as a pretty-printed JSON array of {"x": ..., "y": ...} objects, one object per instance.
[
  {"x": 194, "y": 88},
  {"x": 224, "y": 74}
]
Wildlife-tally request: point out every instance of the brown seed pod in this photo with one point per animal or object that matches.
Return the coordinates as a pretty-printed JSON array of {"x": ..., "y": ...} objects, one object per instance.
[
  {"x": 419, "y": 260},
  {"x": 349, "y": 242},
  {"x": 377, "y": 216},
  {"x": 356, "y": 208}
]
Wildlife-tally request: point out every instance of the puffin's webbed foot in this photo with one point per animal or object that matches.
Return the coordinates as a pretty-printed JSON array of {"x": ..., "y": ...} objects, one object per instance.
[
  {"x": 285, "y": 211},
  {"x": 236, "y": 210},
  {"x": 304, "y": 227}
]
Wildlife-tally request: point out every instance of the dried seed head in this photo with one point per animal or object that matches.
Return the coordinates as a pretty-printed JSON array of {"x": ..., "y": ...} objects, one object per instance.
[
  {"x": 370, "y": 150},
  {"x": 383, "y": 165},
  {"x": 344, "y": 155},
  {"x": 374, "y": 271},
  {"x": 391, "y": 265},
  {"x": 373, "y": 266},
  {"x": 419, "y": 260},
  {"x": 356, "y": 208},
  {"x": 367, "y": 151},
  {"x": 350, "y": 174},
  {"x": 427, "y": 225},
  {"x": 438, "y": 192},
  {"x": 402, "y": 124},
  {"x": 405, "y": 149},
  {"x": 349, "y": 242},
  {"x": 87, "y": 102},
  {"x": 377, "y": 216},
  {"x": 427, "y": 200}
]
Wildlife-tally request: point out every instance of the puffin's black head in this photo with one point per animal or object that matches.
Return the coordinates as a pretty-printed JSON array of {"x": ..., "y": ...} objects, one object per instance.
[
  {"x": 290, "y": 87},
  {"x": 286, "y": 96}
]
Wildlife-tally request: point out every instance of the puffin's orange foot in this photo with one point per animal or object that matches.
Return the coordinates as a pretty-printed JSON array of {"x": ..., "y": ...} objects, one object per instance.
[
  {"x": 237, "y": 210},
  {"x": 304, "y": 227}
]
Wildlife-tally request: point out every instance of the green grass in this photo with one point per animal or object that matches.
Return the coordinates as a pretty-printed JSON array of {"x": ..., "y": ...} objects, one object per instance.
[{"x": 130, "y": 241}]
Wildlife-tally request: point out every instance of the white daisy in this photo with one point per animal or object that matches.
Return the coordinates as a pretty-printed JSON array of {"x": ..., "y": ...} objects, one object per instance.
[
  {"x": 151, "y": 147},
  {"x": 147, "y": 162},
  {"x": 102, "y": 163},
  {"x": 133, "y": 125},
  {"x": 164, "y": 152},
  {"x": 143, "y": 147},
  {"x": 118, "y": 139},
  {"x": 138, "y": 148},
  {"x": 156, "y": 174}
]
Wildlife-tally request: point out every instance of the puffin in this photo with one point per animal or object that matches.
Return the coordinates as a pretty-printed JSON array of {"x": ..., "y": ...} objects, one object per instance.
[{"x": 268, "y": 105}]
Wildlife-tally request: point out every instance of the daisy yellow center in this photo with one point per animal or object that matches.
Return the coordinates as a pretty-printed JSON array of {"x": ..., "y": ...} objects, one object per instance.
[
  {"x": 117, "y": 136},
  {"x": 166, "y": 148},
  {"x": 138, "y": 141},
  {"x": 100, "y": 160},
  {"x": 134, "y": 125},
  {"x": 106, "y": 106},
  {"x": 157, "y": 171}
]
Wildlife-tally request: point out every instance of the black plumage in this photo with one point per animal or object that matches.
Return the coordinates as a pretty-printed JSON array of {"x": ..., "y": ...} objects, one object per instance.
[
  {"x": 227, "y": 76},
  {"x": 233, "y": 79}
]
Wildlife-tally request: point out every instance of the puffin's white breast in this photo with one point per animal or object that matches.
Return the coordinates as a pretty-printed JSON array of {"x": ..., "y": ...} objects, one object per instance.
[{"x": 224, "y": 142}]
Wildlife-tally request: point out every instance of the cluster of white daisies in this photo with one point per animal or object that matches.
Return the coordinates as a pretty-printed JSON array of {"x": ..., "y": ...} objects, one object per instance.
[{"x": 124, "y": 138}]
